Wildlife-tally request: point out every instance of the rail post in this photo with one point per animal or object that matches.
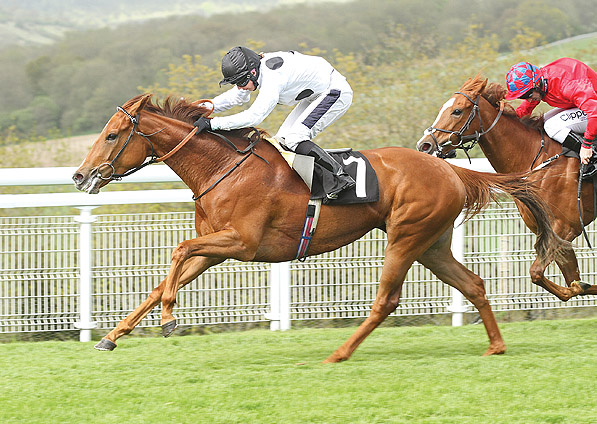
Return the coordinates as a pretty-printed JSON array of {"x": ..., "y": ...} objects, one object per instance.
[
  {"x": 279, "y": 297},
  {"x": 458, "y": 307},
  {"x": 85, "y": 324}
]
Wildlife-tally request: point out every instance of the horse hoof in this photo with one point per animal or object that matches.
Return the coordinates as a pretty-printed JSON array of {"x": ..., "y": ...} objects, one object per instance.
[
  {"x": 584, "y": 286},
  {"x": 168, "y": 328},
  {"x": 105, "y": 344}
]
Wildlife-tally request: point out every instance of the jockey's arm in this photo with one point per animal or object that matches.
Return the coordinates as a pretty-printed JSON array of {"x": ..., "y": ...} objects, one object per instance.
[
  {"x": 230, "y": 98},
  {"x": 526, "y": 108},
  {"x": 584, "y": 97},
  {"x": 266, "y": 101},
  {"x": 588, "y": 104}
]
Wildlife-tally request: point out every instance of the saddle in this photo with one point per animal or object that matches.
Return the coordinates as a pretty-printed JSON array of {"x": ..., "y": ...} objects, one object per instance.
[
  {"x": 316, "y": 177},
  {"x": 320, "y": 180}
]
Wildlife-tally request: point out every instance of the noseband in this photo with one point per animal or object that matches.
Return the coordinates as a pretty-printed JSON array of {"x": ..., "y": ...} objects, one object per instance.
[{"x": 465, "y": 142}]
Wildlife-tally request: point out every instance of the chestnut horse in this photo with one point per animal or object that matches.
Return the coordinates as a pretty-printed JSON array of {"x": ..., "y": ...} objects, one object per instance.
[
  {"x": 477, "y": 113},
  {"x": 255, "y": 211}
]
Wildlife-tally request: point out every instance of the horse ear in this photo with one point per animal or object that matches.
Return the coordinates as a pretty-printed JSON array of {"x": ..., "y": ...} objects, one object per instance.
[
  {"x": 466, "y": 84},
  {"x": 140, "y": 104}
]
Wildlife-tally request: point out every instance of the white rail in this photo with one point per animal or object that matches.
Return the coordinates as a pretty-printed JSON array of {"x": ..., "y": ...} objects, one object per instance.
[{"x": 281, "y": 285}]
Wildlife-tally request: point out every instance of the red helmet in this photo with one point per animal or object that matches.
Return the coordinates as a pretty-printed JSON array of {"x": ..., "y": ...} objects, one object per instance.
[{"x": 521, "y": 78}]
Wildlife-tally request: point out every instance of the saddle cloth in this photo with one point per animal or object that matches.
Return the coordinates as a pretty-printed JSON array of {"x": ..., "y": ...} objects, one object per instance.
[
  {"x": 318, "y": 178},
  {"x": 358, "y": 167}
]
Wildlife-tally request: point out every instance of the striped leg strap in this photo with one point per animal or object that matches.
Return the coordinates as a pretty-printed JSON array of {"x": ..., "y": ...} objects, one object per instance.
[{"x": 311, "y": 218}]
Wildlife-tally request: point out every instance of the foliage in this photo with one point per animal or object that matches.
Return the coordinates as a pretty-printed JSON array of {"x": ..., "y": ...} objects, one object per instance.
[
  {"x": 391, "y": 51},
  {"x": 190, "y": 79},
  {"x": 416, "y": 374}
]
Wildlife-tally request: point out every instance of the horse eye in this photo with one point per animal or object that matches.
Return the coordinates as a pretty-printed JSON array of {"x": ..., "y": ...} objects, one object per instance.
[
  {"x": 111, "y": 137},
  {"x": 457, "y": 112}
]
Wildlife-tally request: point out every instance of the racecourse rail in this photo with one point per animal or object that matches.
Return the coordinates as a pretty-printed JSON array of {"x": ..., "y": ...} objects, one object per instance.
[{"x": 88, "y": 271}]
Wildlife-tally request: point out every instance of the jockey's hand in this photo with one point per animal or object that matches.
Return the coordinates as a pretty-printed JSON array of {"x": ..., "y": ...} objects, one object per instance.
[
  {"x": 202, "y": 124},
  {"x": 585, "y": 154}
]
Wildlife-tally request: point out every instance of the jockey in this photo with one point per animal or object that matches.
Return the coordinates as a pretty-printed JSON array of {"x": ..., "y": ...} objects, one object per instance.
[
  {"x": 566, "y": 84},
  {"x": 321, "y": 95}
]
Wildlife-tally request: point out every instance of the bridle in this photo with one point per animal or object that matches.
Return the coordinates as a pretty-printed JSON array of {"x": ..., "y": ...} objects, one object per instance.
[
  {"x": 465, "y": 142},
  {"x": 148, "y": 160},
  {"x": 153, "y": 158}
]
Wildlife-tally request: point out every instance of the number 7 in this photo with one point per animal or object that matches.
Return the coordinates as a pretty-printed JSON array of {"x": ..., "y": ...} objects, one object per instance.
[{"x": 361, "y": 187}]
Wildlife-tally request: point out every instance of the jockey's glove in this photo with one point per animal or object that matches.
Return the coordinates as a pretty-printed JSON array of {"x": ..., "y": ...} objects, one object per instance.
[{"x": 202, "y": 124}]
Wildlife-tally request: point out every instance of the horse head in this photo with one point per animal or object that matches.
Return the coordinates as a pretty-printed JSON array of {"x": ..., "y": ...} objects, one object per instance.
[
  {"x": 119, "y": 148},
  {"x": 455, "y": 126}
]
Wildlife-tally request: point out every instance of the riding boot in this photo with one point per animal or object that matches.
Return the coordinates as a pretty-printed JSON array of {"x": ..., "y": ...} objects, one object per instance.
[
  {"x": 343, "y": 180},
  {"x": 572, "y": 141}
]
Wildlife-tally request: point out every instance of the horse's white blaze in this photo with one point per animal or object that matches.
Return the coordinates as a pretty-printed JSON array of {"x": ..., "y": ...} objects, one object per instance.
[
  {"x": 446, "y": 105},
  {"x": 429, "y": 130}
]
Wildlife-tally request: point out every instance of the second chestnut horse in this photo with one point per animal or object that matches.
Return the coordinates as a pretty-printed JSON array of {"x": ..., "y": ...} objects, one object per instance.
[{"x": 477, "y": 113}]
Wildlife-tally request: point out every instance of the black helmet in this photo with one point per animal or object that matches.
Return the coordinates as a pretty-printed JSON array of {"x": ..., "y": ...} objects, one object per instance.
[{"x": 237, "y": 65}]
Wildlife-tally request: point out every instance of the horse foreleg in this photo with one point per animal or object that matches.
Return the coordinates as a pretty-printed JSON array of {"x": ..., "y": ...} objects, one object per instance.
[
  {"x": 568, "y": 264},
  {"x": 192, "y": 269},
  {"x": 440, "y": 261},
  {"x": 566, "y": 261},
  {"x": 386, "y": 301},
  {"x": 218, "y": 246},
  {"x": 537, "y": 272}
]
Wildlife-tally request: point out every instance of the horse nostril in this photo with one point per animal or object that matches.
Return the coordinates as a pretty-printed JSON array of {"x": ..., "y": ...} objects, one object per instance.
[
  {"x": 425, "y": 147},
  {"x": 78, "y": 177}
]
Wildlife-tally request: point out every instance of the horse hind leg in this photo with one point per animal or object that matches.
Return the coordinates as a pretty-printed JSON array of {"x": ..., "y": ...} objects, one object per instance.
[
  {"x": 192, "y": 269},
  {"x": 571, "y": 275},
  {"x": 392, "y": 277},
  {"x": 568, "y": 264},
  {"x": 440, "y": 261}
]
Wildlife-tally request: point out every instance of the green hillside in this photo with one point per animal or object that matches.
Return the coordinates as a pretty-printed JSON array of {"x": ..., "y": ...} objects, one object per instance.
[
  {"x": 31, "y": 22},
  {"x": 403, "y": 59}
]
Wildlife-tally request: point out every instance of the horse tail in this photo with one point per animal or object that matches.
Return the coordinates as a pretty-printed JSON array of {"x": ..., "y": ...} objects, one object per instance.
[{"x": 482, "y": 188}]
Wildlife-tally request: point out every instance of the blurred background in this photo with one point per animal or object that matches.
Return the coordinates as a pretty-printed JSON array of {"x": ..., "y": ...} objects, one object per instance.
[{"x": 66, "y": 65}]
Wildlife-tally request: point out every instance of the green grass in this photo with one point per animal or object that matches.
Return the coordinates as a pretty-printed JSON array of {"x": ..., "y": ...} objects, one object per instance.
[{"x": 398, "y": 375}]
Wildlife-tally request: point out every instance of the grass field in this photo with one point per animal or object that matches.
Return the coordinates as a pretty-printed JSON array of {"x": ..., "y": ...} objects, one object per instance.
[{"x": 399, "y": 375}]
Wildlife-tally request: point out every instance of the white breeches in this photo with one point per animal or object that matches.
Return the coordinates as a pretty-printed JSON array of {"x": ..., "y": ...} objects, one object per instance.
[
  {"x": 559, "y": 122},
  {"x": 314, "y": 114}
]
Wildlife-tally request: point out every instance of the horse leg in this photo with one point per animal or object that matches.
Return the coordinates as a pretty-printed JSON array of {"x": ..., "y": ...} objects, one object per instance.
[
  {"x": 568, "y": 265},
  {"x": 537, "y": 272},
  {"x": 440, "y": 261},
  {"x": 219, "y": 246},
  {"x": 193, "y": 268},
  {"x": 396, "y": 265}
]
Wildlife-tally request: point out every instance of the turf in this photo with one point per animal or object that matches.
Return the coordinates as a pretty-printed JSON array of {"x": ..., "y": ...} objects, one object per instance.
[{"x": 398, "y": 375}]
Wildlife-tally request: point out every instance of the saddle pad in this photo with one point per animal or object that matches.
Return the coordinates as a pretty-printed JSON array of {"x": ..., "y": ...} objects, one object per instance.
[{"x": 358, "y": 167}]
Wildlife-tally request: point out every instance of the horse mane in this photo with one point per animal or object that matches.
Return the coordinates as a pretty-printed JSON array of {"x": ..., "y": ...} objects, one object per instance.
[
  {"x": 180, "y": 109},
  {"x": 494, "y": 93}
]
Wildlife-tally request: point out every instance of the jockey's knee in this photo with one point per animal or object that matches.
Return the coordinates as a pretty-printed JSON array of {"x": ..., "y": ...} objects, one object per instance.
[{"x": 292, "y": 140}]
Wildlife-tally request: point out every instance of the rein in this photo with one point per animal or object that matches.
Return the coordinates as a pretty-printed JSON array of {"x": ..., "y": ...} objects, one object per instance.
[
  {"x": 465, "y": 142},
  {"x": 579, "y": 200},
  {"x": 247, "y": 152}
]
